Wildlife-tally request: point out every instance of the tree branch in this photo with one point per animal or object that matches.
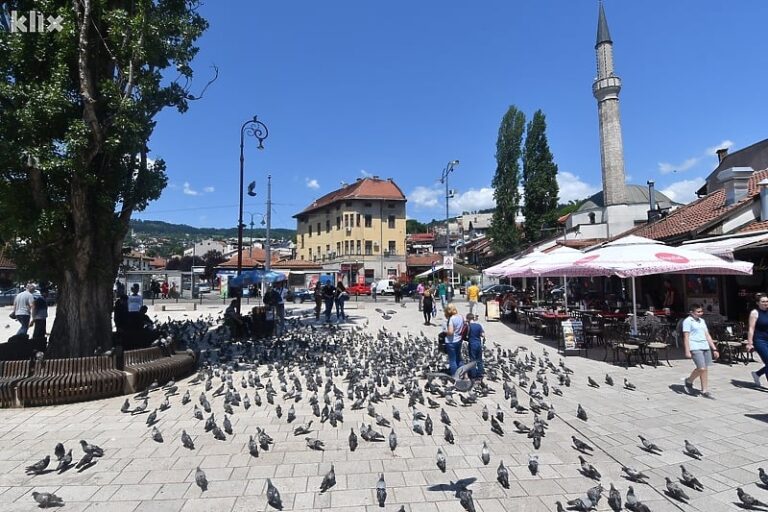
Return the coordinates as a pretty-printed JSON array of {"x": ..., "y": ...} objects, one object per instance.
[{"x": 87, "y": 89}]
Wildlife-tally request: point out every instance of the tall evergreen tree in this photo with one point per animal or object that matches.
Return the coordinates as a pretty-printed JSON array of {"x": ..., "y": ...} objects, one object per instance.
[
  {"x": 539, "y": 179},
  {"x": 506, "y": 181}
]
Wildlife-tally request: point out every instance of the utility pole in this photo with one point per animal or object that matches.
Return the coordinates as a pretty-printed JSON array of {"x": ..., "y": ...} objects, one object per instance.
[
  {"x": 268, "y": 255},
  {"x": 444, "y": 179}
]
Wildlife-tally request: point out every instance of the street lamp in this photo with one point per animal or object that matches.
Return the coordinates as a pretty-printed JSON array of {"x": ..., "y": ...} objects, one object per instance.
[
  {"x": 263, "y": 222},
  {"x": 255, "y": 128},
  {"x": 444, "y": 179}
]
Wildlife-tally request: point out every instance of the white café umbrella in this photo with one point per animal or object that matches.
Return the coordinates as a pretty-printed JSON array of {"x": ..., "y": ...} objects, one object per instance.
[
  {"x": 527, "y": 268},
  {"x": 511, "y": 263},
  {"x": 634, "y": 256}
]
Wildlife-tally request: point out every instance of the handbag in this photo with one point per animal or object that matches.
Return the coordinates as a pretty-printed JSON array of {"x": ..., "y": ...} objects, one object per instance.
[{"x": 12, "y": 315}]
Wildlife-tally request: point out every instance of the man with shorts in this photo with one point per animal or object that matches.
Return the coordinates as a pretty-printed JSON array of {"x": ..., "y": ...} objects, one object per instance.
[{"x": 699, "y": 347}]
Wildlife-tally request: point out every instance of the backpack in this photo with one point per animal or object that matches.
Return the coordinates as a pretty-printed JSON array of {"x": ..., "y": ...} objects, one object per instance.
[{"x": 40, "y": 304}]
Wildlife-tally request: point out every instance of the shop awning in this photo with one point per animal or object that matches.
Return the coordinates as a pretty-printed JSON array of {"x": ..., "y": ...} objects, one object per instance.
[{"x": 724, "y": 247}]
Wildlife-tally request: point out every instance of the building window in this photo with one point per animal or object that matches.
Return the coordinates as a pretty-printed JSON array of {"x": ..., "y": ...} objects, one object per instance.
[
  {"x": 318, "y": 251},
  {"x": 358, "y": 247},
  {"x": 328, "y": 249},
  {"x": 368, "y": 221},
  {"x": 391, "y": 222},
  {"x": 346, "y": 247},
  {"x": 310, "y": 231},
  {"x": 358, "y": 220},
  {"x": 368, "y": 204},
  {"x": 348, "y": 203},
  {"x": 368, "y": 247},
  {"x": 390, "y": 205},
  {"x": 318, "y": 228},
  {"x": 302, "y": 241},
  {"x": 338, "y": 222},
  {"x": 310, "y": 253},
  {"x": 392, "y": 247},
  {"x": 338, "y": 248}
]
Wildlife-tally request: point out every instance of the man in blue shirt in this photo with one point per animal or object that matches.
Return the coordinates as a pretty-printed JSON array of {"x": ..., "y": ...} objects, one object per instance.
[{"x": 699, "y": 347}]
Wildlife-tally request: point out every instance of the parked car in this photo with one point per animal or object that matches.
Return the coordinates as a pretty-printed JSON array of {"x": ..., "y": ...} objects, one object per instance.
[
  {"x": 7, "y": 296},
  {"x": 300, "y": 295},
  {"x": 359, "y": 289},
  {"x": 495, "y": 291},
  {"x": 385, "y": 287},
  {"x": 408, "y": 289}
]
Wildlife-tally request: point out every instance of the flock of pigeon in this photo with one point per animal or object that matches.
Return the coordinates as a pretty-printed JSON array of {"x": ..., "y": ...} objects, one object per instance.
[{"x": 332, "y": 378}]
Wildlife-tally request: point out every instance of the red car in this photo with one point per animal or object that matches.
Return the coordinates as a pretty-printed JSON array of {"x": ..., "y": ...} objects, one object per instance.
[{"x": 359, "y": 289}]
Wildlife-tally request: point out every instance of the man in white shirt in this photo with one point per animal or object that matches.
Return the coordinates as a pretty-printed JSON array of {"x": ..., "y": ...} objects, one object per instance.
[
  {"x": 22, "y": 308},
  {"x": 697, "y": 343}
]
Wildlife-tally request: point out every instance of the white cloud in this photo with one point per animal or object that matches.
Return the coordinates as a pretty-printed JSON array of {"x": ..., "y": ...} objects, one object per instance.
[
  {"x": 689, "y": 163},
  {"x": 683, "y": 191},
  {"x": 209, "y": 190},
  {"x": 189, "y": 190},
  {"x": 312, "y": 183},
  {"x": 473, "y": 199},
  {"x": 366, "y": 173},
  {"x": 572, "y": 188},
  {"x": 424, "y": 197}
]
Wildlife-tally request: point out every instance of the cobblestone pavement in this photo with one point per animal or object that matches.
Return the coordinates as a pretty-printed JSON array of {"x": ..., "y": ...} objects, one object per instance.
[{"x": 138, "y": 474}]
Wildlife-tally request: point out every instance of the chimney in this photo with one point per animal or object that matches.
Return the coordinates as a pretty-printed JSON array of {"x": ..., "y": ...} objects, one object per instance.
[
  {"x": 653, "y": 211},
  {"x": 763, "y": 199},
  {"x": 735, "y": 181},
  {"x": 721, "y": 154},
  {"x": 375, "y": 177}
]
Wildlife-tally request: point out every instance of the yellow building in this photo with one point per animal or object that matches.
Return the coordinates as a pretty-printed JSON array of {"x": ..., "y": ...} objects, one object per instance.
[{"x": 357, "y": 231}]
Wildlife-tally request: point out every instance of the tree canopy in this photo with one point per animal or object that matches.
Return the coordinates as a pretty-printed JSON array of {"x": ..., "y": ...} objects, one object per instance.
[
  {"x": 539, "y": 180},
  {"x": 506, "y": 181},
  {"x": 78, "y": 107}
]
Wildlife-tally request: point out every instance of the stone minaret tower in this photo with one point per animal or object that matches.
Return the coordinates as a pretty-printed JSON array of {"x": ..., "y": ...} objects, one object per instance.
[{"x": 606, "y": 90}]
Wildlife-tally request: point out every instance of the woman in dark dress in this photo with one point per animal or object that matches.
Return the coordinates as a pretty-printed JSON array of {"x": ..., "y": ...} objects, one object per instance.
[
  {"x": 757, "y": 338},
  {"x": 428, "y": 304}
]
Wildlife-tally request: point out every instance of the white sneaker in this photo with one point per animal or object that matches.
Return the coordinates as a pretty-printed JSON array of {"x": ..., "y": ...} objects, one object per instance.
[{"x": 756, "y": 378}]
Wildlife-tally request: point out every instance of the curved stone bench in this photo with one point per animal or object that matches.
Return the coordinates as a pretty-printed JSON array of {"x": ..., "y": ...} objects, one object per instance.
[{"x": 11, "y": 372}]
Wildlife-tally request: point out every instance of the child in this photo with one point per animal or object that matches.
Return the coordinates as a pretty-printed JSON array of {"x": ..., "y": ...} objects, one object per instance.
[
  {"x": 699, "y": 347},
  {"x": 476, "y": 336}
]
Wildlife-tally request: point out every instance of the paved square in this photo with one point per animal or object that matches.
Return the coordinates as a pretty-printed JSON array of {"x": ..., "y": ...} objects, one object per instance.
[{"x": 139, "y": 474}]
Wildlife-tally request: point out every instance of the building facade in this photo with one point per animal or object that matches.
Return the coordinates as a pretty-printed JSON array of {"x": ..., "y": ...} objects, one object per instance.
[{"x": 357, "y": 231}]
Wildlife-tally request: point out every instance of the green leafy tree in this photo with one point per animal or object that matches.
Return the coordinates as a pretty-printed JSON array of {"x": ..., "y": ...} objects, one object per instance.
[
  {"x": 506, "y": 182},
  {"x": 414, "y": 226},
  {"x": 212, "y": 259},
  {"x": 539, "y": 180},
  {"x": 78, "y": 109}
]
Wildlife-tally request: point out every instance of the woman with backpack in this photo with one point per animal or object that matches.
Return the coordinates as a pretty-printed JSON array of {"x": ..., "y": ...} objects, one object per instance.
[{"x": 454, "y": 332}]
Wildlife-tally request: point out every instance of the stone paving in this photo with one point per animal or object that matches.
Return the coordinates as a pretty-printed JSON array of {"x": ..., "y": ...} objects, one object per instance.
[{"x": 138, "y": 474}]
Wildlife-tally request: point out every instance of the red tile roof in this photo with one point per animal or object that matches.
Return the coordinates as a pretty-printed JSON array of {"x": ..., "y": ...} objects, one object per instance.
[
  {"x": 250, "y": 261},
  {"x": 423, "y": 260},
  {"x": 421, "y": 237},
  {"x": 580, "y": 243},
  {"x": 698, "y": 215},
  {"x": 364, "y": 188},
  {"x": 758, "y": 225}
]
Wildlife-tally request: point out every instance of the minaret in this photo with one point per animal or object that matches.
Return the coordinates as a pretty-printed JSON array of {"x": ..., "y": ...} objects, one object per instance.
[{"x": 606, "y": 90}]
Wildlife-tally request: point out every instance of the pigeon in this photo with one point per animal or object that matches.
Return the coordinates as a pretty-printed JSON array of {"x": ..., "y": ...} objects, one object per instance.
[
  {"x": 444, "y": 417},
  {"x": 581, "y": 413},
  {"x": 392, "y": 440},
  {"x": 614, "y": 499},
  {"x": 65, "y": 462},
  {"x": 448, "y": 435},
  {"x": 381, "y": 491},
  {"x": 352, "y": 440},
  {"x": 582, "y": 504},
  {"x": 485, "y": 454},
  {"x": 140, "y": 408},
  {"x": 291, "y": 414},
  {"x": 533, "y": 464},
  {"x": 499, "y": 413},
  {"x": 441, "y": 462},
  {"x": 185, "y": 399},
  {"x": 675, "y": 491},
  {"x": 273, "y": 496},
  {"x": 85, "y": 461},
  {"x": 165, "y": 405},
  {"x": 47, "y": 499},
  {"x": 59, "y": 451},
  {"x": 395, "y": 413},
  {"x": 126, "y": 406},
  {"x": 496, "y": 427},
  {"x": 156, "y": 435},
  {"x": 152, "y": 418},
  {"x": 763, "y": 476},
  {"x": 521, "y": 427},
  {"x": 628, "y": 385},
  {"x": 609, "y": 381},
  {"x": 691, "y": 450},
  {"x": 747, "y": 500},
  {"x": 588, "y": 469},
  {"x": 253, "y": 447},
  {"x": 581, "y": 445},
  {"x": 465, "y": 498},
  {"x": 303, "y": 429},
  {"x": 186, "y": 441},
  {"x": 649, "y": 446},
  {"x": 634, "y": 475},
  {"x": 200, "y": 479},
  {"x": 688, "y": 479},
  {"x": 315, "y": 444},
  {"x": 218, "y": 434},
  {"x": 329, "y": 480},
  {"x": 428, "y": 425},
  {"x": 592, "y": 382},
  {"x": 382, "y": 421},
  {"x": 197, "y": 413},
  {"x": 227, "y": 425},
  {"x": 38, "y": 467},
  {"x": 91, "y": 448}
]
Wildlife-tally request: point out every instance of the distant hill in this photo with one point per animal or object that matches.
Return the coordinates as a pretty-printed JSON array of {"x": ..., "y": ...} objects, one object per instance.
[{"x": 168, "y": 230}]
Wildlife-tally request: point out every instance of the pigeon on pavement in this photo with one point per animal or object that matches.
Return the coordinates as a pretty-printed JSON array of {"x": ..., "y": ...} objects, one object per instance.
[
  {"x": 200, "y": 479},
  {"x": 47, "y": 499}
]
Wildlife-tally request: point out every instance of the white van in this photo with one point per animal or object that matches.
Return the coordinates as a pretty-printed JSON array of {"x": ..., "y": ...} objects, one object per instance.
[{"x": 385, "y": 287}]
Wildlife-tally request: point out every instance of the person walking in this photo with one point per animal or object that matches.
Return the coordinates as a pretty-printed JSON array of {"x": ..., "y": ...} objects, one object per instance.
[
  {"x": 473, "y": 294},
  {"x": 164, "y": 290},
  {"x": 22, "y": 308},
  {"x": 420, "y": 294},
  {"x": 373, "y": 291},
  {"x": 282, "y": 292},
  {"x": 329, "y": 294},
  {"x": 442, "y": 292},
  {"x": 39, "y": 315},
  {"x": 398, "y": 291},
  {"x": 699, "y": 347},
  {"x": 476, "y": 337},
  {"x": 340, "y": 296},
  {"x": 453, "y": 333},
  {"x": 428, "y": 304},
  {"x": 318, "y": 299},
  {"x": 757, "y": 337}
]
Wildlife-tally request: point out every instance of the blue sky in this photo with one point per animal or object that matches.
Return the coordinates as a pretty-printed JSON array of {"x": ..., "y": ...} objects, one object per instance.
[{"x": 399, "y": 88}]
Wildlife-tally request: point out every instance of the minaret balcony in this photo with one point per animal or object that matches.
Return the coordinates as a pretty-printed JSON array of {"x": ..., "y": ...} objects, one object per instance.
[{"x": 606, "y": 88}]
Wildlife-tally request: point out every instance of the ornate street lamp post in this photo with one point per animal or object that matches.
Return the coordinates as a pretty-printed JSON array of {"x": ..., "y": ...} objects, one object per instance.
[
  {"x": 255, "y": 128},
  {"x": 444, "y": 179}
]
